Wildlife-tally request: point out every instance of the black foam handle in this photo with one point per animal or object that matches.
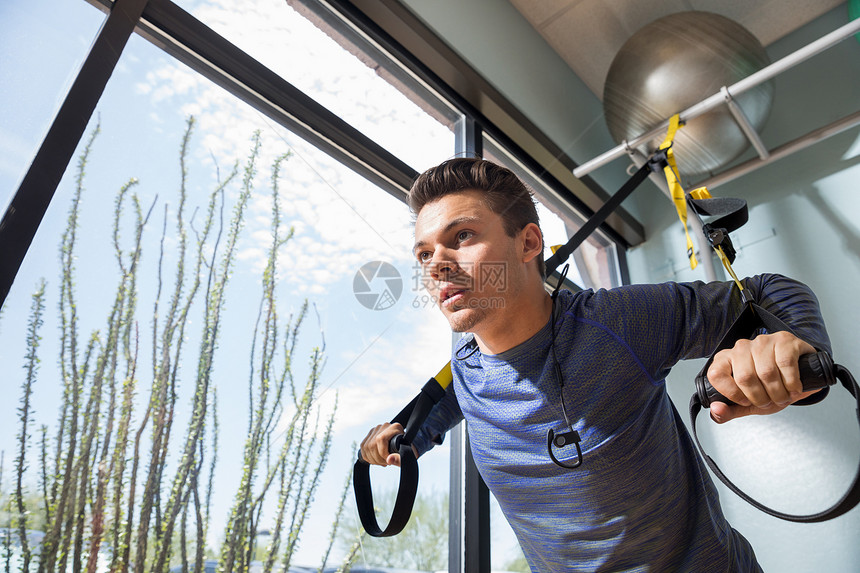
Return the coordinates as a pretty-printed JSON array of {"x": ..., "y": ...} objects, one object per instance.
[
  {"x": 393, "y": 448},
  {"x": 394, "y": 444},
  {"x": 816, "y": 371}
]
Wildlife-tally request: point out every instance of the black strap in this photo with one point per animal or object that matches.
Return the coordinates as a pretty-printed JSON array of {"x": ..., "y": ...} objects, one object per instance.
[
  {"x": 731, "y": 213},
  {"x": 411, "y": 418},
  {"x": 817, "y": 371},
  {"x": 655, "y": 163}
]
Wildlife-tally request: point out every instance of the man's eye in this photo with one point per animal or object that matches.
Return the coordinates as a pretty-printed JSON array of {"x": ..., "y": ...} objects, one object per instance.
[
  {"x": 464, "y": 235},
  {"x": 424, "y": 256}
]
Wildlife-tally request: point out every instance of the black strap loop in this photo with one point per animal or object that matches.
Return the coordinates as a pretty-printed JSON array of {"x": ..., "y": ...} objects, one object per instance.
[
  {"x": 731, "y": 213},
  {"x": 411, "y": 418},
  {"x": 817, "y": 371},
  {"x": 406, "y": 491}
]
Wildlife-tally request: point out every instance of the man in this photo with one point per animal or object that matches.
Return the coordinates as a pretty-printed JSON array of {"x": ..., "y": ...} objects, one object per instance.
[{"x": 642, "y": 499}]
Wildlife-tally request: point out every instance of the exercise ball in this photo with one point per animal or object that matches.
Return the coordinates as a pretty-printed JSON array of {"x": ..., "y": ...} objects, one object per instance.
[{"x": 675, "y": 62}]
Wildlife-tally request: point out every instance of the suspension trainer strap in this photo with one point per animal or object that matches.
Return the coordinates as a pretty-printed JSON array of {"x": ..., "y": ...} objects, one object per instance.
[
  {"x": 562, "y": 253},
  {"x": 673, "y": 180},
  {"x": 816, "y": 371},
  {"x": 411, "y": 418}
]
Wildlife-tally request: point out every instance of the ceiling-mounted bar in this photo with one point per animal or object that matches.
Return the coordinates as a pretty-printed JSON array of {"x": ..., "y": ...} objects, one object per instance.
[
  {"x": 784, "y": 150},
  {"x": 718, "y": 99},
  {"x": 745, "y": 124}
]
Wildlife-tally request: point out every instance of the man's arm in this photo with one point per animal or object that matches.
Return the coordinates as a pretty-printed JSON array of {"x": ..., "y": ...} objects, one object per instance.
[
  {"x": 761, "y": 375},
  {"x": 444, "y": 416}
]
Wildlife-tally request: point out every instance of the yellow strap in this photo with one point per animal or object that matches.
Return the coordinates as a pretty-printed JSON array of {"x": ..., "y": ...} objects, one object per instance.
[
  {"x": 672, "y": 179},
  {"x": 728, "y": 266},
  {"x": 444, "y": 377}
]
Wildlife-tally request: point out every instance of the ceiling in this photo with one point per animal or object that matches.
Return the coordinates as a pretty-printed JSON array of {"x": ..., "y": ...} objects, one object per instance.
[{"x": 588, "y": 33}]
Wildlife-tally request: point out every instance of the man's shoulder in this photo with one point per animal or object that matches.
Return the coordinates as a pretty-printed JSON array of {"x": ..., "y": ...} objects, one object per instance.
[{"x": 591, "y": 300}]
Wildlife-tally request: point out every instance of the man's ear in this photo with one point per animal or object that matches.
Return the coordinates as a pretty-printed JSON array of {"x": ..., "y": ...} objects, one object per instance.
[{"x": 532, "y": 241}]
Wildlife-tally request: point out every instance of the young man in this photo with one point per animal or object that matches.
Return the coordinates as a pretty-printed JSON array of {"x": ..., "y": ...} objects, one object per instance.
[{"x": 642, "y": 499}]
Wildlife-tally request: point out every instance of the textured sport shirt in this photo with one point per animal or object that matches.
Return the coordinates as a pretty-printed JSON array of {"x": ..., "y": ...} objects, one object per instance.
[{"x": 642, "y": 500}]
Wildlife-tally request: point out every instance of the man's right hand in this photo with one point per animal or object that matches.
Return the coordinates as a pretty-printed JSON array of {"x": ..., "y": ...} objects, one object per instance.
[{"x": 374, "y": 447}]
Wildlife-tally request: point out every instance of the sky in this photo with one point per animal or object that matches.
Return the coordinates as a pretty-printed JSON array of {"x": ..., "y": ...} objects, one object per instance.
[{"x": 376, "y": 359}]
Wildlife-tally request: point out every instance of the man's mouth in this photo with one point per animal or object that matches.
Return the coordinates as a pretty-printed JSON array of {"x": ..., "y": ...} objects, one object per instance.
[{"x": 451, "y": 294}]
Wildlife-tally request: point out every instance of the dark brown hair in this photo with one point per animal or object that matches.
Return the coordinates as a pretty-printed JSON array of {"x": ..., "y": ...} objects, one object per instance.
[{"x": 505, "y": 193}]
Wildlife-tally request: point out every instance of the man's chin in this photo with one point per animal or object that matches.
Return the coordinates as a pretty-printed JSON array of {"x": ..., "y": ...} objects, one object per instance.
[{"x": 464, "y": 320}]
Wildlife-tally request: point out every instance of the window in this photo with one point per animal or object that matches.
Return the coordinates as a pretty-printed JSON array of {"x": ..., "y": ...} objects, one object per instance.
[
  {"x": 373, "y": 354},
  {"x": 147, "y": 363},
  {"x": 43, "y": 44},
  {"x": 340, "y": 69}
]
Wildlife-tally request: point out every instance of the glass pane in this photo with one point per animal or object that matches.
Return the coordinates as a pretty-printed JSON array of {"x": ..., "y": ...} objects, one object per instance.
[
  {"x": 339, "y": 70},
  {"x": 194, "y": 340},
  {"x": 505, "y": 551},
  {"x": 42, "y": 45},
  {"x": 594, "y": 264}
]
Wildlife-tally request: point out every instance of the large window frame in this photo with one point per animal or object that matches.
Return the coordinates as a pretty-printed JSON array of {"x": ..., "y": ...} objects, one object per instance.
[{"x": 194, "y": 44}]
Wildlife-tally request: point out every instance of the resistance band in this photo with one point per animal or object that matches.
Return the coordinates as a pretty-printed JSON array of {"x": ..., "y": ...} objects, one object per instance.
[
  {"x": 817, "y": 370},
  {"x": 411, "y": 418}
]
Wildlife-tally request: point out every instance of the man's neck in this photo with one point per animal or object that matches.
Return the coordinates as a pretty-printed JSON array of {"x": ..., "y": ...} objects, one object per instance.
[{"x": 516, "y": 325}]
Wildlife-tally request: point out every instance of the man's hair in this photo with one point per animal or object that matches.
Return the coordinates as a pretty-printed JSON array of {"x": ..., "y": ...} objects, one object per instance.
[{"x": 504, "y": 193}]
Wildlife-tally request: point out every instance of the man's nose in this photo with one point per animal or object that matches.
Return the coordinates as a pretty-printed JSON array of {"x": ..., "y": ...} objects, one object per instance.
[{"x": 442, "y": 264}]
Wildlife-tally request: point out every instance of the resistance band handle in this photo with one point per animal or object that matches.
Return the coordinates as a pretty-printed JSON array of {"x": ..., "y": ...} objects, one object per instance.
[
  {"x": 816, "y": 371},
  {"x": 406, "y": 491},
  {"x": 841, "y": 507},
  {"x": 393, "y": 448},
  {"x": 412, "y": 417}
]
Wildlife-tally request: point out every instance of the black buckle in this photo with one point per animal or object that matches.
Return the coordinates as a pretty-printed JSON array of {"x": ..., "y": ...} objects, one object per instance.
[
  {"x": 659, "y": 160},
  {"x": 719, "y": 237}
]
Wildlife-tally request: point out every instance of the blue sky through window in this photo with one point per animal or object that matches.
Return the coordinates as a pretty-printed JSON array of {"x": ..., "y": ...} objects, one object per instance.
[{"x": 376, "y": 359}]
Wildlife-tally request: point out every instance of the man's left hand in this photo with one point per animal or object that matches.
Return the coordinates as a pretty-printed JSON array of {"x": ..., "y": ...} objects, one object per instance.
[{"x": 760, "y": 376}]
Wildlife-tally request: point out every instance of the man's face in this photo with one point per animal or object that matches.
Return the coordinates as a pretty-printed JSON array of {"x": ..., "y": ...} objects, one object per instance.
[{"x": 469, "y": 265}]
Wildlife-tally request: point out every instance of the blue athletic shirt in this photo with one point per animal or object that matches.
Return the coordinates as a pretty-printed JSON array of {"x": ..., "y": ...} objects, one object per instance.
[{"x": 642, "y": 500}]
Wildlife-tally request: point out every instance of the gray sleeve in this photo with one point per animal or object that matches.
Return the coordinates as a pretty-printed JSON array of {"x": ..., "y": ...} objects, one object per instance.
[{"x": 669, "y": 322}]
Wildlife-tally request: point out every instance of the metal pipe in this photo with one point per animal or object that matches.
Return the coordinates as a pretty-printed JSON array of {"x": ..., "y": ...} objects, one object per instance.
[
  {"x": 784, "y": 150},
  {"x": 717, "y": 99},
  {"x": 744, "y": 123}
]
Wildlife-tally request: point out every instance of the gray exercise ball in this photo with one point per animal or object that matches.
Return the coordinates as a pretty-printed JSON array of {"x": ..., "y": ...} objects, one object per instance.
[{"x": 674, "y": 63}]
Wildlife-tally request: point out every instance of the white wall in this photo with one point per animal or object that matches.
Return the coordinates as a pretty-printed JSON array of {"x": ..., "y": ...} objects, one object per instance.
[
  {"x": 804, "y": 214},
  {"x": 498, "y": 42}
]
